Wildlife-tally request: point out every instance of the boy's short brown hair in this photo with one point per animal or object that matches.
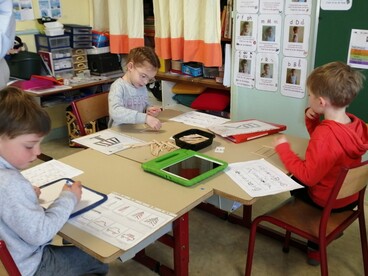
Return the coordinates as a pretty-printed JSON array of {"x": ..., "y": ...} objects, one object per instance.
[
  {"x": 336, "y": 81},
  {"x": 20, "y": 114},
  {"x": 141, "y": 54}
]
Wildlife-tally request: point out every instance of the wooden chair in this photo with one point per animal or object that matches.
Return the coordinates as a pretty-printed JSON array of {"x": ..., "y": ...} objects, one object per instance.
[
  {"x": 7, "y": 265},
  {"x": 89, "y": 109},
  {"x": 319, "y": 226}
]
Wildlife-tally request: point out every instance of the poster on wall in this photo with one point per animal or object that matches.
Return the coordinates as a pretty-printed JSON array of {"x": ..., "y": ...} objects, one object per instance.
[
  {"x": 247, "y": 6},
  {"x": 275, "y": 6},
  {"x": 269, "y": 33},
  {"x": 358, "y": 49},
  {"x": 50, "y": 8},
  {"x": 244, "y": 69},
  {"x": 298, "y": 6},
  {"x": 296, "y": 35},
  {"x": 267, "y": 71},
  {"x": 293, "y": 77},
  {"x": 337, "y": 5},
  {"x": 23, "y": 10},
  {"x": 246, "y": 32}
]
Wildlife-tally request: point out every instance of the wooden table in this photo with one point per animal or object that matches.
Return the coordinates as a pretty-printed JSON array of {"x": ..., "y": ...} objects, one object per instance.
[
  {"x": 112, "y": 173},
  {"x": 122, "y": 173}
]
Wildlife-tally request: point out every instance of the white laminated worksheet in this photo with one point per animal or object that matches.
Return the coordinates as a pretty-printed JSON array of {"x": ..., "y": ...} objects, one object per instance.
[
  {"x": 260, "y": 178},
  {"x": 244, "y": 68},
  {"x": 246, "y": 32},
  {"x": 296, "y": 35},
  {"x": 293, "y": 77},
  {"x": 50, "y": 171},
  {"x": 199, "y": 119},
  {"x": 122, "y": 221},
  {"x": 108, "y": 141},
  {"x": 267, "y": 72}
]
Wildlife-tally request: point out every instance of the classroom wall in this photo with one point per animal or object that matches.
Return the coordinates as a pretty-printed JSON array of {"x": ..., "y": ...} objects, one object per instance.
[
  {"x": 73, "y": 12},
  {"x": 332, "y": 33},
  {"x": 247, "y": 103}
]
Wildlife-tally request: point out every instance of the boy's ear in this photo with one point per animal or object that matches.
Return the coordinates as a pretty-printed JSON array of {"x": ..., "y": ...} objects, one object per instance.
[
  {"x": 130, "y": 65},
  {"x": 323, "y": 101}
]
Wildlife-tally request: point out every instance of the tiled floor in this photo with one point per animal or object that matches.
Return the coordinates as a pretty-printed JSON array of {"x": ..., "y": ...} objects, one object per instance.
[{"x": 218, "y": 247}]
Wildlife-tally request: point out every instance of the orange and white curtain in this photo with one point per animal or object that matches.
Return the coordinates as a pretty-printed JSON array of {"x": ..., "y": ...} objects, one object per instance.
[
  {"x": 188, "y": 30},
  {"x": 123, "y": 19}
]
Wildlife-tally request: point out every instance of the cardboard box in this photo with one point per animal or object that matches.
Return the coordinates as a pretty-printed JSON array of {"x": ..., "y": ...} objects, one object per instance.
[
  {"x": 176, "y": 66},
  {"x": 165, "y": 65}
]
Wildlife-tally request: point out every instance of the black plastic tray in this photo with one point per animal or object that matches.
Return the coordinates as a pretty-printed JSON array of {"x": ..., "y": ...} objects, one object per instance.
[{"x": 197, "y": 146}]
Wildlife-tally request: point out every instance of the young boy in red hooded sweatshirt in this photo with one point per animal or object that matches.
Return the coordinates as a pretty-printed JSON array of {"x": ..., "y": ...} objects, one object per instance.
[{"x": 337, "y": 139}]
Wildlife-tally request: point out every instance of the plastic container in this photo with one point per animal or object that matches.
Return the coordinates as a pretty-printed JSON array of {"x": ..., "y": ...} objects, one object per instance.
[
  {"x": 192, "y": 69},
  {"x": 75, "y": 29},
  {"x": 82, "y": 44},
  {"x": 192, "y": 143},
  {"x": 54, "y": 32},
  {"x": 52, "y": 42},
  {"x": 24, "y": 64},
  {"x": 59, "y": 53}
]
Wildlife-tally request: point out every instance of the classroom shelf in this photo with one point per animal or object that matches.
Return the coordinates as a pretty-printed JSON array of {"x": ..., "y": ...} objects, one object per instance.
[{"x": 188, "y": 79}]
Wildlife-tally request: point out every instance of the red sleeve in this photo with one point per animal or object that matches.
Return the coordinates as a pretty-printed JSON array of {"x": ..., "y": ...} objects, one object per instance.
[
  {"x": 319, "y": 159},
  {"x": 311, "y": 124}
]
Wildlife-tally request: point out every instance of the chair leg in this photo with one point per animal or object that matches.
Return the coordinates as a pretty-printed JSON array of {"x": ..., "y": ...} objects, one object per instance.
[
  {"x": 251, "y": 243},
  {"x": 323, "y": 259},
  {"x": 363, "y": 240},
  {"x": 286, "y": 246}
]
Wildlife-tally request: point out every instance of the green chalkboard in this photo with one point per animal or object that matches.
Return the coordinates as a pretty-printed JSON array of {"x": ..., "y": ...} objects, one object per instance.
[{"x": 334, "y": 29}]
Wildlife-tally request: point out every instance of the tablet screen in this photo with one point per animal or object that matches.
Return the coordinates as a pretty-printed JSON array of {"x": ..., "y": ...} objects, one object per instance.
[{"x": 191, "y": 167}]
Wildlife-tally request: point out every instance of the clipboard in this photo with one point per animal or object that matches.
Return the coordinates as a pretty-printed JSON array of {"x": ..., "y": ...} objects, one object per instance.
[
  {"x": 233, "y": 131},
  {"x": 90, "y": 198},
  {"x": 185, "y": 167}
]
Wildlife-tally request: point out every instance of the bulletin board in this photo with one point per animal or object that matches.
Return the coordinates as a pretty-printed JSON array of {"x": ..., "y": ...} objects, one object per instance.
[
  {"x": 333, "y": 39},
  {"x": 271, "y": 87}
]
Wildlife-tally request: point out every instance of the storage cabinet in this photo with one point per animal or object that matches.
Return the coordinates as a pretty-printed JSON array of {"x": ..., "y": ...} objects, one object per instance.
[
  {"x": 56, "y": 54},
  {"x": 169, "y": 80}
]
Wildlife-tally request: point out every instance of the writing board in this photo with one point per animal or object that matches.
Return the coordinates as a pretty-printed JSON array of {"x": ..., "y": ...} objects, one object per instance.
[
  {"x": 185, "y": 167},
  {"x": 89, "y": 200}
]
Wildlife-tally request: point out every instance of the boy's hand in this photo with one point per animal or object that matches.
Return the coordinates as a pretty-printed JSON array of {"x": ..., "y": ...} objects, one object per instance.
[
  {"x": 37, "y": 191},
  {"x": 153, "y": 123},
  {"x": 75, "y": 188},
  {"x": 280, "y": 139},
  {"x": 153, "y": 111},
  {"x": 311, "y": 114}
]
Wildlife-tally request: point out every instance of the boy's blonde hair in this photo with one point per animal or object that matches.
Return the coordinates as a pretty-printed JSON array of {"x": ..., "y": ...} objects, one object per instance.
[
  {"x": 20, "y": 114},
  {"x": 141, "y": 54},
  {"x": 336, "y": 81}
]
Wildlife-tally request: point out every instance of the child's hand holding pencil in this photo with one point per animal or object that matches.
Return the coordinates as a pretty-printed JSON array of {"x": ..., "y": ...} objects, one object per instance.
[{"x": 74, "y": 187}]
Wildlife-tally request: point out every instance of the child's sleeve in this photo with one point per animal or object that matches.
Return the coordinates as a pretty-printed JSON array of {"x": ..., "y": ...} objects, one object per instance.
[
  {"x": 311, "y": 124},
  {"x": 318, "y": 161}
]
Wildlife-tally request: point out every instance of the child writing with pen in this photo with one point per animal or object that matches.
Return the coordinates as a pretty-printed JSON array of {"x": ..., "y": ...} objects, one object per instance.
[
  {"x": 337, "y": 139},
  {"x": 128, "y": 96},
  {"x": 25, "y": 226}
]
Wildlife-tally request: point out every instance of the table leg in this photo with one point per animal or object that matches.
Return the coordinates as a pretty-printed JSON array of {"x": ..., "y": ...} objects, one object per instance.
[{"x": 179, "y": 242}]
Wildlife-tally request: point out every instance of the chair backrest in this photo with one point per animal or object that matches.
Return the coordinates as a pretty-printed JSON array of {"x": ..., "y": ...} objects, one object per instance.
[
  {"x": 355, "y": 180},
  {"x": 7, "y": 265},
  {"x": 89, "y": 109},
  {"x": 350, "y": 181}
]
